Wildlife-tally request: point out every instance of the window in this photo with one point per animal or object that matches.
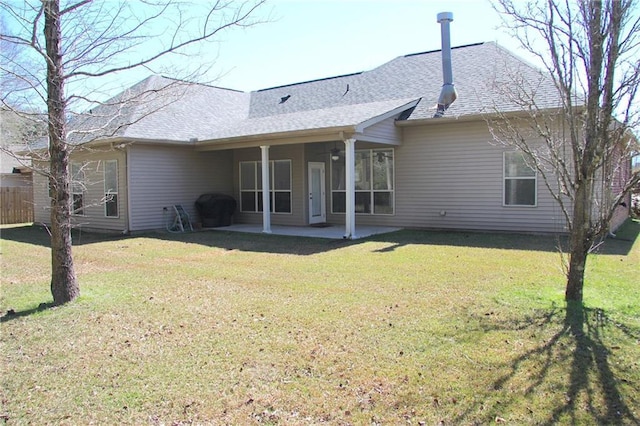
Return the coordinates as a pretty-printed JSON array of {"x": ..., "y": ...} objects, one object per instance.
[
  {"x": 111, "y": 188},
  {"x": 519, "y": 181},
  {"x": 251, "y": 186},
  {"x": 77, "y": 189},
  {"x": 374, "y": 182}
]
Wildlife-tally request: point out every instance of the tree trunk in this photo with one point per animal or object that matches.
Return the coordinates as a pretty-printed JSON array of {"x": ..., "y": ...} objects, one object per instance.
[
  {"x": 580, "y": 239},
  {"x": 64, "y": 285},
  {"x": 575, "y": 276}
]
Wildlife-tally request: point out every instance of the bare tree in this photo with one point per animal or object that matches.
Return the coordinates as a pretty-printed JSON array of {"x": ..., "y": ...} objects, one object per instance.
[
  {"x": 72, "y": 51},
  {"x": 582, "y": 149}
]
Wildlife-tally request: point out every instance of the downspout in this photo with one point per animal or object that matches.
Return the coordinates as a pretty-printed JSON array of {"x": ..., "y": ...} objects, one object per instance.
[
  {"x": 127, "y": 154},
  {"x": 448, "y": 93}
]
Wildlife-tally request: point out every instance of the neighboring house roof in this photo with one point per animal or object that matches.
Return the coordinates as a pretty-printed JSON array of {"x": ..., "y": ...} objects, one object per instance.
[
  {"x": 11, "y": 161},
  {"x": 486, "y": 77},
  {"x": 16, "y": 129}
]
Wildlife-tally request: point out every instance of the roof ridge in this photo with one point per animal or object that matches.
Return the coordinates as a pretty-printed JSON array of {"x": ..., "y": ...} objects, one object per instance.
[
  {"x": 362, "y": 72},
  {"x": 438, "y": 50},
  {"x": 311, "y": 81},
  {"x": 197, "y": 83},
  {"x": 520, "y": 58}
]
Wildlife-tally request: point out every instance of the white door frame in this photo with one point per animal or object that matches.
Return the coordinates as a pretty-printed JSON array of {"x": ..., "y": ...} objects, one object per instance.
[{"x": 322, "y": 217}]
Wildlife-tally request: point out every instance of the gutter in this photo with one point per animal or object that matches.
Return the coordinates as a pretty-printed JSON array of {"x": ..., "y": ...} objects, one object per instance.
[
  {"x": 478, "y": 116},
  {"x": 441, "y": 120}
]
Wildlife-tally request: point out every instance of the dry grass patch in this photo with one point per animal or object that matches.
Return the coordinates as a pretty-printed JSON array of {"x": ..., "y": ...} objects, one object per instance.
[{"x": 410, "y": 327}]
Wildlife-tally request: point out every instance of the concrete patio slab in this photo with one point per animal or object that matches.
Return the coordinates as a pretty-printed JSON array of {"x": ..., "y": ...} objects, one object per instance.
[{"x": 332, "y": 231}]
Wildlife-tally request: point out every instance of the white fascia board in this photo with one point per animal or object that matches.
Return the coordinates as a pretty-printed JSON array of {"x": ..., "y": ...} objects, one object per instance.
[
  {"x": 391, "y": 113},
  {"x": 280, "y": 138}
]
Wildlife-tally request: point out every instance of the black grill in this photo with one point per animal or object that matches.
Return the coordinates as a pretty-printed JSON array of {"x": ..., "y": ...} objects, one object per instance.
[{"x": 215, "y": 209}]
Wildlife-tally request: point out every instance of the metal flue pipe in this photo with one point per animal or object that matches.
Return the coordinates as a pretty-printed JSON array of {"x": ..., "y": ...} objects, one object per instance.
[{"x": 448, "y": 93}]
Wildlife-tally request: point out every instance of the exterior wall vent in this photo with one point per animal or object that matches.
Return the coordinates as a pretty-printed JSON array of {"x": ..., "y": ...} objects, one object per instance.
[{"x": 448, "y": 93}]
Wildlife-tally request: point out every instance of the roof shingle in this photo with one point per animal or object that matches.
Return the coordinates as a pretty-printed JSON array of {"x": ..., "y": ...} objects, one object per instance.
[{"x": 486, "y": 77}]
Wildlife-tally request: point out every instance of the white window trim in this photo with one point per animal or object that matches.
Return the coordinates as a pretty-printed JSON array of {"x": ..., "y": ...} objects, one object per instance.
[
  {"x": 106, "y": 191},
  {"x": 371, "y": 191},
  {"x": 272, "y": 191},
  {"x": 504, "y": 180}
]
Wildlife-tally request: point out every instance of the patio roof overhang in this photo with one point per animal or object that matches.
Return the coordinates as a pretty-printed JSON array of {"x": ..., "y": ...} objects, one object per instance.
[
  {"x": 279, "y": 138},
  {"x": 352, "y": 129}
]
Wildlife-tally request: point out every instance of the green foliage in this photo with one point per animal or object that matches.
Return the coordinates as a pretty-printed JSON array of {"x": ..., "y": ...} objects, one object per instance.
[{"x": 228, "y": 328}]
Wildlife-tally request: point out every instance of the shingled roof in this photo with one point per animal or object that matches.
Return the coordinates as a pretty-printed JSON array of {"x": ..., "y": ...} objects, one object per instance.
[{"x": 486, "y": 76}]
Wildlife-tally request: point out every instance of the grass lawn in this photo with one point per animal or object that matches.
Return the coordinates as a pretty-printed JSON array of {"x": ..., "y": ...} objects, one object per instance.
[{"x": 411, "y": 327}]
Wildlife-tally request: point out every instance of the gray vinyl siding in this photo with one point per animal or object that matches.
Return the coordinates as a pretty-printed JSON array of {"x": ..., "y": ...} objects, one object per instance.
[
  {"x": 41, "y": 200},
  {"x": 94, "y": 216},
  {"x": 447, "y": 176},
  {"x": 450, "y": 176},
  {"x": 14, "y": 180},
  {"x": 386, "y": 130},
  {"x": 295, "y": 153},
  {"x": 454, "y": 169},
  {"x": 162, "y": 176}
]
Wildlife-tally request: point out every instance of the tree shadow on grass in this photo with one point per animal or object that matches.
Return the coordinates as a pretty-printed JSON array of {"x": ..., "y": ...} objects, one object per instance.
[
  {"x": 623, "y": 241},
  {"x": 12, "y": 315},
  {"x": 39, "y": 235},
  {"x": 592, "y": 354},
  {"x": 592, "y": 391}
]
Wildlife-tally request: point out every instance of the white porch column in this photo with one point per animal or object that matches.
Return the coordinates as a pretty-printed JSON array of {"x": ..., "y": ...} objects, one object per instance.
[
  {"x": 266, "y": 208},
  {"x": 350, "y": 176}
]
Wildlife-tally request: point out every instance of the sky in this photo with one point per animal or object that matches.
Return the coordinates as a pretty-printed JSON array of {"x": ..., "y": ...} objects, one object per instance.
[
  {"x": 297, "y": 41},
  {"x": 311, "y": 39}
]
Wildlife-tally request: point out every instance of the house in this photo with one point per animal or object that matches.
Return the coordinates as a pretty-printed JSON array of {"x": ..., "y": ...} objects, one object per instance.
[{"x": 357, "y": 149}]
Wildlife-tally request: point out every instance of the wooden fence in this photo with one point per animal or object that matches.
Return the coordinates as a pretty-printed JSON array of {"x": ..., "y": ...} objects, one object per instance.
[{"x": 16, "y": 205}]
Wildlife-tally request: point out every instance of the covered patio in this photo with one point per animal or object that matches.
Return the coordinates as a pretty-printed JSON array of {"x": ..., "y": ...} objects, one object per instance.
[
  {"x": 279, "y": 142},
  {"x": 331, "y": 232}
]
